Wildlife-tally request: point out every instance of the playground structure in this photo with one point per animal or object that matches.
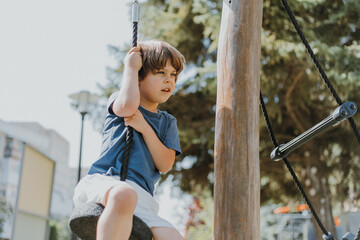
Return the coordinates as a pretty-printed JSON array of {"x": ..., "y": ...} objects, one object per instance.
[
  {"x": 237, "y": 168},
  {"x": 83, "y": 220},
  {"x": 298, "y": 225},
  {"x": 236, "y": 131},
  {"x": 237, "y": 185}
]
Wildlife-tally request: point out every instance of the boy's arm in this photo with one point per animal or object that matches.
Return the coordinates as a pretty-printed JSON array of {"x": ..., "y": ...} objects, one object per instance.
[
  {"x": 162, "y": 156},
  {"x": 128, "y": 99}
]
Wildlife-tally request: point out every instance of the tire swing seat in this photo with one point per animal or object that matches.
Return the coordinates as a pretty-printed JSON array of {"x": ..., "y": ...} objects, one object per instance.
[{"x": 83, "y": 221}]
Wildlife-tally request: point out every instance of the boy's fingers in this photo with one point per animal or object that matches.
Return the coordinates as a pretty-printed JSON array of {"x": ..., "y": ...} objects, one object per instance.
[
  {"x": 134, "y": 49},
  {"x": 135, "y": 53},
  {"x": 127, "y": 120}
]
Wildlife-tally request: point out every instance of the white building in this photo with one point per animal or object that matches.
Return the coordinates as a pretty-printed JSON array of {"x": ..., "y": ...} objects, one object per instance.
[{"x": 35, "y": 178}]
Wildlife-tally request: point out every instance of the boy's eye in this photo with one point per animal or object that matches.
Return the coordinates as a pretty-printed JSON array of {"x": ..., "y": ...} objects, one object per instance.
[
  {"x": 160, "y": 72},
  {"x": 173, "y": 74}
]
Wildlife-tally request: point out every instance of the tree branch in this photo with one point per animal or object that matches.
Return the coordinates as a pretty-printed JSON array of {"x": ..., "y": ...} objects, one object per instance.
[{"x": 288, "y": 104}]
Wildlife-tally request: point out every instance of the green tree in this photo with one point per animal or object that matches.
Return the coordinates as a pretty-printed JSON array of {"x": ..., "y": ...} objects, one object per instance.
[
  {"x": 59, "y": 229},
  {"x": 202, "y": 219},
  {"x": 53, "y": 231},
  {"x": 5, "y": 211},
  {"x": 297, "y": 99},
  {"x": 295, "y": 96}
]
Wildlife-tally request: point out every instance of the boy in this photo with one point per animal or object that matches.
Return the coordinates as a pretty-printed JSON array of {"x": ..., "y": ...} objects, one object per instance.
[{"x": 150, "y": 73}]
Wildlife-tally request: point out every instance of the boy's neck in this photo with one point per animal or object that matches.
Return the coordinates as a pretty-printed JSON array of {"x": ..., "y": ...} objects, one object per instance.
[{"x": 152, "y": 107}]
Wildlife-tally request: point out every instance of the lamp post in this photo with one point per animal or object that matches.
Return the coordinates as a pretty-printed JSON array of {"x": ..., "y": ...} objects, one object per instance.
[{"x": 83, "y": 100}]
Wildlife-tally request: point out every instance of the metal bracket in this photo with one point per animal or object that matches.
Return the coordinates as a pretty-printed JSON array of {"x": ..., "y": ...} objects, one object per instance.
[
  {"x": 328, "y": 237},
  {"x": 135, "y": 11},
  {"x": 341, "y": 113},
  {"x": 348, "y": 236}
]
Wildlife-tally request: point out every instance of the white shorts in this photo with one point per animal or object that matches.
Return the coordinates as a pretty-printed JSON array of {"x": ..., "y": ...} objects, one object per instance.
[{"x": 93, "y": 188}]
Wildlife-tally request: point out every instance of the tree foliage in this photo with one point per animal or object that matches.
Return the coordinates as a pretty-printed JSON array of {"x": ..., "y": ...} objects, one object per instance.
[
  {"x": 5, "y": 212},
  {"x": 298, "y": 99},
  {"x": 294, "y": 93}
]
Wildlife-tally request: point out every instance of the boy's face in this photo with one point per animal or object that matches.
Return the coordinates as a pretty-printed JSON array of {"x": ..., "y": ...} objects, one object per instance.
[{"x": 157, "y": 87}]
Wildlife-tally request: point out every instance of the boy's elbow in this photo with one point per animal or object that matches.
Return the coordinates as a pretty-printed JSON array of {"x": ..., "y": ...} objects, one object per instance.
[
  {"x": 125, "y": 109},
  {"x": 165, "y": 170},
  {"x": 167, "y": 167}
]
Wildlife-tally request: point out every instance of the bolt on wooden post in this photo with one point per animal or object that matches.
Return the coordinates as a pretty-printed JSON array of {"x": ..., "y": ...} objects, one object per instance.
[{"x": 237, "y": 171}]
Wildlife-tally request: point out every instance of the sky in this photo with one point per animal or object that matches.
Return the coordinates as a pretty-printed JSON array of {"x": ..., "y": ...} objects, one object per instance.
[{"x": 50, "y": 49}]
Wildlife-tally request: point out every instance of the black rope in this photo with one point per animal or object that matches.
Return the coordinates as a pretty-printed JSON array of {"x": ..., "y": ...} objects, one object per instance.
[
  {"x": 135, "y": 31},
  {"x": 305, "y": 196},
  {"x": 128, "y": 144},
  {"x": 337, "y": 98},
  {"x": 318, "y": 66},
  {"x": 298, "y": 184},
  {"x": 129, "y": 131},
  {"x": 267, "y": 120}
]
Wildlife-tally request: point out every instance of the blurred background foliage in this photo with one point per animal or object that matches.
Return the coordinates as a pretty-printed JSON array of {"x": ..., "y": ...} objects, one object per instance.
[{"x": 5, "y": 213}]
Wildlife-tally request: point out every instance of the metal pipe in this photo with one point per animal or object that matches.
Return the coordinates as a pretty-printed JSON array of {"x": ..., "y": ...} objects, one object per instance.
[
  {"x": 81, "y": 143},
  {"x": 341, "y": 113},
  {"x": 135, "y": 11}
]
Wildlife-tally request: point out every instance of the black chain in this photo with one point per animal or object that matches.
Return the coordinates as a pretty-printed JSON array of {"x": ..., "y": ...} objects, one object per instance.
[{"x": 298, "y": 184}]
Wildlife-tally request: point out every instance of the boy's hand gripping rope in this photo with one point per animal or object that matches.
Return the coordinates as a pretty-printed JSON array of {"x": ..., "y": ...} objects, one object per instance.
[
  {"x": 129, "y": 132},
  {"x": 83, "y": 221}
]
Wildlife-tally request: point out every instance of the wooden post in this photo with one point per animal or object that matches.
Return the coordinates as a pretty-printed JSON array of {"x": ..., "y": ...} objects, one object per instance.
[{"x": 237, "y": 171}]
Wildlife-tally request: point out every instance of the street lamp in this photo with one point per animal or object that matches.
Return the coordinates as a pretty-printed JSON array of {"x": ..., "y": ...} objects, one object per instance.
[{"x": 83, "y": 100}]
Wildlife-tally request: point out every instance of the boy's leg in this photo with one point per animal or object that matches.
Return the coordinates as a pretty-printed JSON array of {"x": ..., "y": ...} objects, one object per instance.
[
  {"x": 166, "y": 233},
  {"x": 116, "y": 220}
]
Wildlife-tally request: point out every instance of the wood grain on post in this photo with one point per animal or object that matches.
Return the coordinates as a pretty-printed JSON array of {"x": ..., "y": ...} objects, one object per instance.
[{"x": 237, "y": 171}]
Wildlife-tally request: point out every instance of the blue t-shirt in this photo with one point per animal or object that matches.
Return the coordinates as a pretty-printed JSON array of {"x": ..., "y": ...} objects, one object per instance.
[{"x": 141, "y": 168}]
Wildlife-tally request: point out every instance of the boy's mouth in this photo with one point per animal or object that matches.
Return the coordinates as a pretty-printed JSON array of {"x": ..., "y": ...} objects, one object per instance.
[{"x": 165, "y": 90}]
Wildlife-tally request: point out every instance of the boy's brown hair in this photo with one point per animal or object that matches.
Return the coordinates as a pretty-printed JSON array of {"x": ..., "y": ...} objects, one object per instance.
[{"x": 155, "y": 54}]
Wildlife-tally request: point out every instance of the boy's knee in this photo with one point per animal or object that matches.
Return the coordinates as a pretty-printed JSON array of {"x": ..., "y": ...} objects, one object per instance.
[{"x": 123, "y": 198}]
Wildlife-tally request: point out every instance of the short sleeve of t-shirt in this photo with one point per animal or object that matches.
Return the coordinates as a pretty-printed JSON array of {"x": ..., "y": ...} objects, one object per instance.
[
  {"x": 171, "y": 139},
  {"x": 111, "y": 101},
  {"x": 141, "y": 168}
]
